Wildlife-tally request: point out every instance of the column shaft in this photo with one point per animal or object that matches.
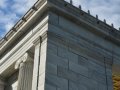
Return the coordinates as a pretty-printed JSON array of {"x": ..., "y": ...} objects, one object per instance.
[
  {"x": 25, "y": 76},
  {"x": 1, "y": 85}
]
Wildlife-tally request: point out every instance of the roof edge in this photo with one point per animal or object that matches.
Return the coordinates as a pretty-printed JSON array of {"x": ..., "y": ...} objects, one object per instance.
[{"x": 100, "y": 24}]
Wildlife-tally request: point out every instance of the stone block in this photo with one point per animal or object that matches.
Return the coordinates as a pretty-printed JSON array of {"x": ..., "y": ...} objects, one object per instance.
[
  {"x": 102, "y": 87},
  {"x": 56, "y": 60},
  {"x": 67, "y": 74},
  {"x": 63, "y": 52},
  {"x": 101, "y": 78},
  {"x": 57, "y": 81},
  {"x": 54, "y": 18},
  {"x": 96, "y": 67},
  {"x": 88, "y": 82},
  {"x": 83, "y": 61},
  {"x": 52, "y": 48},
  {"x": 77, "y": 86},
  {"x": 78, "y": 69},
  {"x": 109, "y": 72},
  {"x": 50, "y": 87},
  {"x": 73, "y": 86},
  {"x": 72, "y": 57},
  {"x": 51, "y": 68}
]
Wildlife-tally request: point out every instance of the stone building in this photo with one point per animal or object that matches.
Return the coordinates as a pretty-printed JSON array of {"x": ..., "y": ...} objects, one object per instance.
[{"x": 56, "y": 46}]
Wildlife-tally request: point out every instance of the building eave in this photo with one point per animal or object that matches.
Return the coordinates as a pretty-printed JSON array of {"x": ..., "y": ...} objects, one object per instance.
[
  {"x": 23, "y": 24},
  {"x": 93, "y": 24}
]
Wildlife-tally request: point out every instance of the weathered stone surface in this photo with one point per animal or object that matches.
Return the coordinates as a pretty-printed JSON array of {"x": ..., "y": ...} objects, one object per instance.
[
  {"x": 71, "y": 50},
  {"x": 61, "y": 83},
  {"x": 50, "y": 87},
  {"x": 56, "y": 60},
  {"x": 88, "y": 82},
  {"x": 78, "y": 69},
  {"x": 52, "y": 48},
  {"x": 51, "y": 68},
  {"x": 67, "y": 74},
  {"x": 72, "y": 57},
  {"x": 76, "y": 86}
]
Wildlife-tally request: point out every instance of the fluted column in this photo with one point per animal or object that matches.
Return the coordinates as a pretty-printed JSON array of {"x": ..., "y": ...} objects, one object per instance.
[
  {"x": 1, "y": 85},
  {"x": 25, "y": 65}
]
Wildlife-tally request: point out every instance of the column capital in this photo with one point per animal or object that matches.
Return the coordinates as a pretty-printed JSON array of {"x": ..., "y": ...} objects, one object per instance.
[{"x": 24, "y": 59}]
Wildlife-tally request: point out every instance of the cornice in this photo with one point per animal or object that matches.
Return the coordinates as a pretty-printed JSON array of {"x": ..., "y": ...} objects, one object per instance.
[
  {"x": 23, "y": 47},
  {"x": 64, "y": 5},
  {"x": 67, "y": 10},
  {"x": 22, "y": 21},
  {"x": 42, "y": 6},
  {"x": 78, "y": 16},
  {"x": 41, "y": 27}
]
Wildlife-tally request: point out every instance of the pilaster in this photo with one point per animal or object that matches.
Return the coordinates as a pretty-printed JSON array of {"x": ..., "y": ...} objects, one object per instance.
[
  {"x": 37, "y": 45},
  {"x": 38, "y": 82}
]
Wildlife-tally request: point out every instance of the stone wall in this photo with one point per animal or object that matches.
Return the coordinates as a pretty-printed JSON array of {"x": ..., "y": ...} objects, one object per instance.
[{"x": 76, "y": 58}]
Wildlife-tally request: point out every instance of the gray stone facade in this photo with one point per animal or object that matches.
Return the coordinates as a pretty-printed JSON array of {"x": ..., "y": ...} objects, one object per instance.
[
  {"x": 73, "y": 63},
  {"x": 67, "y": 48}
]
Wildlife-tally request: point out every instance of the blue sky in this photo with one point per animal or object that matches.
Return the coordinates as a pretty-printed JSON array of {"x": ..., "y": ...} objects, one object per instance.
[{"x": 12, "y": 10}]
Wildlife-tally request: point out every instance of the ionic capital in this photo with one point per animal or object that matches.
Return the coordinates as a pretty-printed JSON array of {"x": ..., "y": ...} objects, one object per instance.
[{"x": 24, "y": 59}]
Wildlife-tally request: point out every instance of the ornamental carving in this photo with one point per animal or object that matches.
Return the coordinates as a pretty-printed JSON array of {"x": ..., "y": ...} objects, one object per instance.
[{"x": 23, "y": 59}]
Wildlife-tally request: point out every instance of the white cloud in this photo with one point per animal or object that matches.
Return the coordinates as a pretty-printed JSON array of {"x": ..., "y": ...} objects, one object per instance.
[
  {"x": 7, "y": 20},
  {"x": 3, "y": 3},
  {"x": 8, "y": 26},
  {"x": 106, "y": 9},
  {"x": 11, "y": 11},
  {"x": 21, "y": 6}
]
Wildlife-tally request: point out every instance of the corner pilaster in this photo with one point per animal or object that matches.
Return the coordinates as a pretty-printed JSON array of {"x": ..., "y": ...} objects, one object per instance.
[{"x": 40, "y": 45}]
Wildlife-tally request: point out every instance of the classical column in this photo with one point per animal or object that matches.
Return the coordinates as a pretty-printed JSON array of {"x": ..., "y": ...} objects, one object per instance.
[
  {"x": 25, "y": 65},
  {"x": 1, "y": 85}
]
